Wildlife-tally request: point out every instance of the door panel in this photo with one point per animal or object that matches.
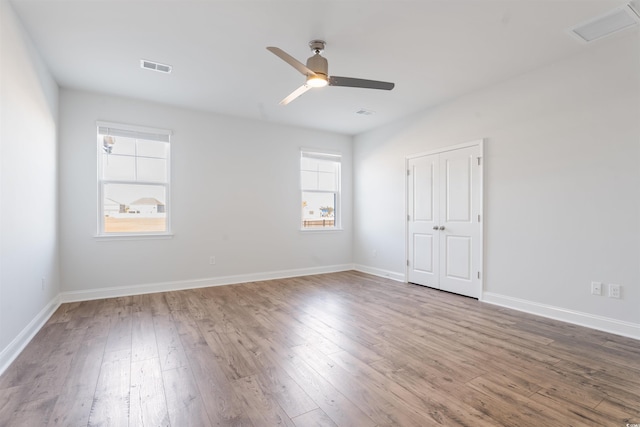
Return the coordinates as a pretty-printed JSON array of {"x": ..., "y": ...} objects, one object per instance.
[
  {"x": 457, "y": 192},
  {"x": 457, "y": 251},
  {"x": 424, "y": 253},
  {"x": 423, "y": 182}
]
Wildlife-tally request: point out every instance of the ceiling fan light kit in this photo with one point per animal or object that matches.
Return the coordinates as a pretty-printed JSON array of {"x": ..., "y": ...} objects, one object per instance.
[
  {"x": 317, "y": 81},
  {"x": 316, "y": 72}
]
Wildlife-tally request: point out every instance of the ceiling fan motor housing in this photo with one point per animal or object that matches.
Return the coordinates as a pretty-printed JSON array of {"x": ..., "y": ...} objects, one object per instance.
[{"x": 318, "y": 64}]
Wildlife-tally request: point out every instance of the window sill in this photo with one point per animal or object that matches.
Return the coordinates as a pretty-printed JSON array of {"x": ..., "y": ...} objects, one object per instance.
[
  {"x": 321, "y": 230},
  {"x": 133, "y": 236}
]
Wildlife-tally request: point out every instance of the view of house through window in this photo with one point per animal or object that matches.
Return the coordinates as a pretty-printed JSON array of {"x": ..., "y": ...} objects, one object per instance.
[
  {"x": 320, "y": 185},
  {"x": 133, "y": 178}
]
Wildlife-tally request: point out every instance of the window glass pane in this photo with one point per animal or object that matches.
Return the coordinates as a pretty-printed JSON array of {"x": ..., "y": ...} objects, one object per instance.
[
  {"x": 153, "y": 149},
  {"x": 132, "y": 208},
  {"x": 318, "y": 209},
  {"x": 115, "y": 167},
  {"x": 152, "y": 169}
]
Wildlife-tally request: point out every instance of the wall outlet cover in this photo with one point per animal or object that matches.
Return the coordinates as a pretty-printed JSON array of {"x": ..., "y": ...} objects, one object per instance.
[{"x": 614, "y": 291}]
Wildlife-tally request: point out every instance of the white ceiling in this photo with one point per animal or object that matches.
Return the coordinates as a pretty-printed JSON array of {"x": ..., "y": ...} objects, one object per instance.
[{"x": 433, "y": 50}]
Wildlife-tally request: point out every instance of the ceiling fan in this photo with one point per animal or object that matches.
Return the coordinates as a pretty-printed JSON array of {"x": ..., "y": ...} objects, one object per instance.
[{"x": 317, "y": 74}]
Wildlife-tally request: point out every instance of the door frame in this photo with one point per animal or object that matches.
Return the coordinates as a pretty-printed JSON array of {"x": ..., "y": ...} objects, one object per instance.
[{"x": 475, "y": 143}]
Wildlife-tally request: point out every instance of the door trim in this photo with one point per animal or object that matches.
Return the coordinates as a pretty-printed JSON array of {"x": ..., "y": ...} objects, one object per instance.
[{"x": 475, "y": 143}]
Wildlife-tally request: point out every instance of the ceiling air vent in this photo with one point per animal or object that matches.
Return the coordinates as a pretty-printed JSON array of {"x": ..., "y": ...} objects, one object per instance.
[
  {"x": 155, "y": 66},
  {"x": 616, "y": 20},
  {"x": 365, "y": 112}
]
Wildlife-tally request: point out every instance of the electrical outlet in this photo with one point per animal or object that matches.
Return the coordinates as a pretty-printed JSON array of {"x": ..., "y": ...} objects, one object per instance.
[
  {"x": 614, "y": 291},
  {"x": 596, "y": 288},
  {"x": 212, "y": 260}
]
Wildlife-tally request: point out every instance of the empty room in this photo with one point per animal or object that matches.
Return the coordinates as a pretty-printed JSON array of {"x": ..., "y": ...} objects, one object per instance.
[{"x": 319, "y": 213}]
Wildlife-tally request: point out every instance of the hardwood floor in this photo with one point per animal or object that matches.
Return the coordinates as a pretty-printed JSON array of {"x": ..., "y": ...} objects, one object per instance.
[{"x": 343, "y": 349}]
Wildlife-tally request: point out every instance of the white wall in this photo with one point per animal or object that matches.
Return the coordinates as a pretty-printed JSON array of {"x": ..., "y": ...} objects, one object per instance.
[
  {"x": 28, "y": 187},
  {"x": 235, "y": 195},
  {"x": 562, "y": 185}
]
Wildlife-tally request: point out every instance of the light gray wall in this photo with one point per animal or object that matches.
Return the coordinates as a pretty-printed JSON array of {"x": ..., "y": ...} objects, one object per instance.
[
  {"x": 28, "y": 182},
  {"x": 562, "y": 181},
  {"x": 235, "y": 195}
]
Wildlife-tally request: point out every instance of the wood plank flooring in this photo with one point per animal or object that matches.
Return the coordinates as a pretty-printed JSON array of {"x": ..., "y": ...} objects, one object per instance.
[{"x": 343, "y": 349}]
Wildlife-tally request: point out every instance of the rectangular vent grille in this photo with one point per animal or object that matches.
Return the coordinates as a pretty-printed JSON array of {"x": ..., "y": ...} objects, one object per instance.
[
  {"x": 617, "y": 20},
  {"x": 155, "y": 66}
]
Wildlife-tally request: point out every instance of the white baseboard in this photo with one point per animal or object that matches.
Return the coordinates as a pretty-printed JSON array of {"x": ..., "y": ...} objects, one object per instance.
[
  {"x": 149, "y": 288},
  {"x": 13, "y": 350},
  {"x": 399, "y": 277},
  {"x": 606, "y": 324}
]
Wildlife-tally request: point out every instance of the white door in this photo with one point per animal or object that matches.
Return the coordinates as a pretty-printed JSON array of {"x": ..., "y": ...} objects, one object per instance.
[
  {"x": 423, "y": 189},
  {"x": 444, "y": 228}
]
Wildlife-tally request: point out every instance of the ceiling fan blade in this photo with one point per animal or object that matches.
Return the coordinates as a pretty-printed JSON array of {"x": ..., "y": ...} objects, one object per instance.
[
  {"x": 367, "y": 84},
  {"x": 296, "y": 93},
  {"x": 291, "y": 61}
]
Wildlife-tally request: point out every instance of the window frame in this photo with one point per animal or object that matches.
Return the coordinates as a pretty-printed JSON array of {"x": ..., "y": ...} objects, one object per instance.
[
  {"x": 322, "y": 154},
  {"x": 142, "y": 133}
]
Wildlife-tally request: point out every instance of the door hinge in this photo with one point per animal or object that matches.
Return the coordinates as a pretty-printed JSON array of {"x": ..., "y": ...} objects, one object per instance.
[
  {"x": 407, "y": 263},
  {"x": 478, "y": 217},
  {"x": 479, "y": 161},
  {"x": 408, "y": 217},
  {"x": 478, "y": 274}
]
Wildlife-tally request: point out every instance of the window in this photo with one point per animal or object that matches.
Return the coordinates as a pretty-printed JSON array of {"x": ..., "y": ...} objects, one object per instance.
[
  {"x": 133, "y": 180},
  {"x": 320, "y": 187}
]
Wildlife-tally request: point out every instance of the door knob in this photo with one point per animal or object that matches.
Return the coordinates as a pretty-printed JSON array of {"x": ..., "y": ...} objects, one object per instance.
[
  {"x": 435, "y": 227},
  {"x": 441, "y": 227}
]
